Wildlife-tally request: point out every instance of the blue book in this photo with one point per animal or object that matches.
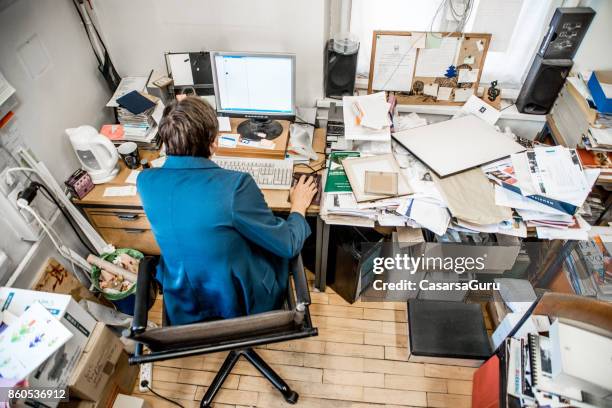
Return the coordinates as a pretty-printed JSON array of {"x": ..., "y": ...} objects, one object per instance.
[{"x": 135, "y": 102}]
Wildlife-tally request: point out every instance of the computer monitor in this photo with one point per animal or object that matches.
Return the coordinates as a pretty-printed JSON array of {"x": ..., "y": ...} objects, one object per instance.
[{"x": 257, "y": 86}]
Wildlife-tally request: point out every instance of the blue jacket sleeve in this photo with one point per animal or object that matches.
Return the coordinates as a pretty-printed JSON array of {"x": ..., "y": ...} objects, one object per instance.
[{"x": 253, "y": 218}]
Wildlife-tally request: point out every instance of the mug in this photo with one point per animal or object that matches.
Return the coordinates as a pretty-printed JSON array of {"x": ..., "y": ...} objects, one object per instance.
[{"x": 129, "y": 153}]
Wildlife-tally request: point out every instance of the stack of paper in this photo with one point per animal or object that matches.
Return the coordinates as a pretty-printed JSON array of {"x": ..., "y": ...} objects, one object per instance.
[
  {"x": 141, "y": 128},
  {"x": 367, "y": 117},
  {"x": 546, "y": 186}
]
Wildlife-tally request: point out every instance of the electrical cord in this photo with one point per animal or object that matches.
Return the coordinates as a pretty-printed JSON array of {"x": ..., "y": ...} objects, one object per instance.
[
  {"x": 145, "y": 383},
  {"x": 50, "y": 196}
]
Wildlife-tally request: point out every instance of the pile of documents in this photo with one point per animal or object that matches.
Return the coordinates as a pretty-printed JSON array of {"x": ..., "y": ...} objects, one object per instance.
[
  {"x": 547, "y": 187},
  {"x": 367, "y": 117},
  {"x": 138, "y": 113},
  {"x": 578, "y": 123}
]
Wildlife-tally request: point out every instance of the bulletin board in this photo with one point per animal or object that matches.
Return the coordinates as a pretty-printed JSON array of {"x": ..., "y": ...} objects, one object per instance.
[{"x": 423, "y": 66}]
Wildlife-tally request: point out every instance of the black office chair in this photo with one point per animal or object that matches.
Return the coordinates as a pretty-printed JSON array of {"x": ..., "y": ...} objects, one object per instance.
[{"x": 238, "y": 335}]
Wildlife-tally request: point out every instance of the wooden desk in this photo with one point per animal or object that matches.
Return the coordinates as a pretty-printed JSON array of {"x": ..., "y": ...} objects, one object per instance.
[{"x": 122, "y": 222}]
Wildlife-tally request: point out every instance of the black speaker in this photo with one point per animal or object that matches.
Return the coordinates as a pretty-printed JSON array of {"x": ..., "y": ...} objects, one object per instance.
[
  {"x": 565, "y": 32},
  {"x": 340, "y": 71},
  {"x": 542, "y": 85}
]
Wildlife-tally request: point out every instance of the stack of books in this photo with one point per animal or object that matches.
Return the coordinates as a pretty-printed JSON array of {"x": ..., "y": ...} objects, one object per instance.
[{"x": 139, "y": 114}]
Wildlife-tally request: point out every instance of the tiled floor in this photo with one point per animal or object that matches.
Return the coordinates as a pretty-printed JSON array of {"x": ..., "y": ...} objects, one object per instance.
[{"x": 358, "y": 360}]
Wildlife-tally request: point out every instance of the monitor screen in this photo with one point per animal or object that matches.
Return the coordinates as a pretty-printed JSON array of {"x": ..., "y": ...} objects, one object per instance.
[{"x": 254, "y": 83}]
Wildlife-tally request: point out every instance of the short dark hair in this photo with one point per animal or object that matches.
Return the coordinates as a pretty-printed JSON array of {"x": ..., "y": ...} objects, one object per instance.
[{"x": 188, "y": 127}]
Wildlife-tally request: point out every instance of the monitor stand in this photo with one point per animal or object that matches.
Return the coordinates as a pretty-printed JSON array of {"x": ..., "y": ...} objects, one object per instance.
[{"x": 257, "y": 129}]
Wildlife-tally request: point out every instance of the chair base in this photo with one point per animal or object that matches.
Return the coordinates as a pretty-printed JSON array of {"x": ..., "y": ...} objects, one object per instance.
[{"x": 252, "y": 357}]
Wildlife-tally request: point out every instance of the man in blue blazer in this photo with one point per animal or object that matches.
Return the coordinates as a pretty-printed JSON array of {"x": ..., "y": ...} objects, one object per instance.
[{"x": 224, "y": 253}]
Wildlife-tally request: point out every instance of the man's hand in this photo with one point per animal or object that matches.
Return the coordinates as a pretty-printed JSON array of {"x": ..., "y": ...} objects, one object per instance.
[{"x": 302, "y": 193}]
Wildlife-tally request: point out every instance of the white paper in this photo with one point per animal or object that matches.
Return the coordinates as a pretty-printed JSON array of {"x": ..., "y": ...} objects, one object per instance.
[
  {"x": 394, "y": 61},
  {"x": 127, "y": 85},
  {"x": 228, "y": 140},
  {"x": 444, "y": 93},
  {"x": 477, "y": 107},
  {"x": 158, "y": 112},
  {"x": 353, "y": 131},
  {"x": 376, "y": 113},
  {"x": 131, "y": 179},
  {"x": 224, "y": 124},
  {"x": 507, "y": 324},
  {"x": 431, "y": 89},
  {"x": 430, "y": 216},
  {"x": 123, "y": 191},
  {"x": 506, "y": 198},
  {"x": 433, "y": 62},
  {"x": 607, "y": 89},
  {"x": 467, "y": 75},
  {"x": 386, "y": 219},
  {"x": 29, "y": 341},
  {"x": 462, "y": 95},
  {"x": 499, "y": 18},
  {"x": 158, "y": 162},
  {"x": 180, "y": 67},
  {"x": 469, "y": 59}
]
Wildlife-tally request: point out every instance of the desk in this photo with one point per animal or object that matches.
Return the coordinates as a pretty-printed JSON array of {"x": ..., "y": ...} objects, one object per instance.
[{"x": 122, "y": 222}]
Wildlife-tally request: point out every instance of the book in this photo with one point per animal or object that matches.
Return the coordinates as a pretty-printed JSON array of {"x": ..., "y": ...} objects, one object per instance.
[
  {"x": 485, "y": 385},
  {"x": 135, "y": 102},
  {"x": 337, "y": 181}
]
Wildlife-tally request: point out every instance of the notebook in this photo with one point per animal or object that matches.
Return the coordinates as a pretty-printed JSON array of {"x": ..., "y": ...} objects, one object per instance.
[{"x": 135, "y": 102}]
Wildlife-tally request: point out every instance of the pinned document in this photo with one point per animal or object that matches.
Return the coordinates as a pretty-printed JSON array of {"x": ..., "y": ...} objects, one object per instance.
[
  {"x": 395, "y": 57},
  {"x": 431, "y": 90},
  {"x": 467, "y": 75}
]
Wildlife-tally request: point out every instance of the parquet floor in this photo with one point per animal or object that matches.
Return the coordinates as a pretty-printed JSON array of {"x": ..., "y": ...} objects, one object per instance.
[{"x": 358, "y": 360}]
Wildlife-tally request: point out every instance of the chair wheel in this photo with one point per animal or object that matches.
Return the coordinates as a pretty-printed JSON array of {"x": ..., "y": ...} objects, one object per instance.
[{"x": 292, "y": 397}]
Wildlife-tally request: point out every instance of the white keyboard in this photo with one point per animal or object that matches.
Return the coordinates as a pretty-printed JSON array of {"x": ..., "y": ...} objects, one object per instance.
[{"x": 269, "y": 174}]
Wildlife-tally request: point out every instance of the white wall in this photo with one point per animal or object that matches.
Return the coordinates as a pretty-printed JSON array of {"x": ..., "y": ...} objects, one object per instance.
[
  {"x": 138, "y": 32},
  {"x": 70, "y": 92},
  {"x": 595, "y": 52}
]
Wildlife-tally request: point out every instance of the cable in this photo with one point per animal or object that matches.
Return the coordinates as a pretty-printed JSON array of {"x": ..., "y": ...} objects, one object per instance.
[{"x": 145, "y": 384}]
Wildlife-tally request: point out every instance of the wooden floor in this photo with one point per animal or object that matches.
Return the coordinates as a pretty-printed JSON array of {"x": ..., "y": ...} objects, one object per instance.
[{"x": 358, "y": 360}]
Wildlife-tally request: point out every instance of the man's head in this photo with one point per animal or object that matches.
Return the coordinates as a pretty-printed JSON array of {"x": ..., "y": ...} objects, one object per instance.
[{"x": 189, "y": 128}]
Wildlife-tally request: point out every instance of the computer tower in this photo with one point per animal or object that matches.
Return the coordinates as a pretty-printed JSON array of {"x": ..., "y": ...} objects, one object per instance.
[
  {"x": 565, "y": 32},
  {"x": 340, "y": 70},
  {"x": 542, "y": 85}
]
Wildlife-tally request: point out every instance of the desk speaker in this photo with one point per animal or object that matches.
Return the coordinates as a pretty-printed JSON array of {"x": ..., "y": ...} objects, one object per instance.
[
  {"x": 542, "y": 85},
  {"x": 340, "y": 71},
  {"x": 567, "y": 28}
]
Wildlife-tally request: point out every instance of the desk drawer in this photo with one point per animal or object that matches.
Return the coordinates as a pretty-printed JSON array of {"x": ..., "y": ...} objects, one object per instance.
[
  {"x": 136, "y": 238},
  {"x": 118, "y": 218}
]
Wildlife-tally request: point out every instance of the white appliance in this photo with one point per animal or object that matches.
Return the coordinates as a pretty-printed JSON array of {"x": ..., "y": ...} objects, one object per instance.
[{"x": 97, "y": 154}]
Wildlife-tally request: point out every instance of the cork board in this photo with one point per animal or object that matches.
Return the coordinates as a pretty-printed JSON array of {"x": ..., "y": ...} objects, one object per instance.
[{"x": 470, "y": 53}]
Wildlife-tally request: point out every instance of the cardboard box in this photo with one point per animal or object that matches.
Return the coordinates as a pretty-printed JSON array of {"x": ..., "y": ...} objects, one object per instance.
[
  {"x": 600, "y": 85},
  {"x": 56, "y": 371},
  {"x": 96, "y": 365},
  {"x": 55, "y": 278},
  {"x": 122, "y": 381},
  {"x": 127, "y": 401}
]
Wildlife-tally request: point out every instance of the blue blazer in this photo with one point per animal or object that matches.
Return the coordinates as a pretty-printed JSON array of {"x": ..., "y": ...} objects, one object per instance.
[{"x": 224, "y": 254}]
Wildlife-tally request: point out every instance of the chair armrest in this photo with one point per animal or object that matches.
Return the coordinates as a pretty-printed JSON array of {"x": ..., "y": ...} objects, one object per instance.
[
  {"x": 146, "y": 271},
  {"x": 300, "y": 282}
]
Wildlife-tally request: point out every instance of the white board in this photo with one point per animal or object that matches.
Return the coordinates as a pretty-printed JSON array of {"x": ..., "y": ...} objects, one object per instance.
[{"x": 457, "y": 145}]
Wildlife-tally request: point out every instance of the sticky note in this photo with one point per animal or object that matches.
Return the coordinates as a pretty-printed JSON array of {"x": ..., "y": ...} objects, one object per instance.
[
  {"x": 480, "y": 45},
  {"x": 433, "y": 40},
  {"x": 469, "y": 59},
  {"x": 431, "y": 89},
  {"x": 444, "y": 93},
  {"x": 462, "y": 95},
  {"x": 467, "y": 75}
]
